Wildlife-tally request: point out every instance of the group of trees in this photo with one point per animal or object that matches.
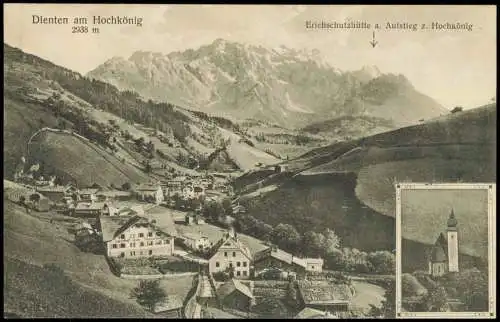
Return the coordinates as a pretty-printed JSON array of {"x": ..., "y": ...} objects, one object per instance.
[
  {"x": 126, "y": 104},
  {"x": 220, "y": 121},
  {"x": 470, "y": 286},
  {"x": 149, "y": 293},
  {"x": 216, "y": 211},
  {"x": 325, "y": 244},
  {"x": 70, "y": 117},
  {"x": 356, "y": 261},
  {"x": 185, "y": 203}
]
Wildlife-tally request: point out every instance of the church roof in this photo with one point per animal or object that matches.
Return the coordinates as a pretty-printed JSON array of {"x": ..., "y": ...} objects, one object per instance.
[{"x": 438, "y": 254}]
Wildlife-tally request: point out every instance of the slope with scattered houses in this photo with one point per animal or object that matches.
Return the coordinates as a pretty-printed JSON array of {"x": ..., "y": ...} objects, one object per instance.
[{"x": 160, "y": 230}]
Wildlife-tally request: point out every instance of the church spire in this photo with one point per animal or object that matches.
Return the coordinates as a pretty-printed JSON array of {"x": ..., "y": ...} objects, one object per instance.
[{"x": 452, "y": 221}]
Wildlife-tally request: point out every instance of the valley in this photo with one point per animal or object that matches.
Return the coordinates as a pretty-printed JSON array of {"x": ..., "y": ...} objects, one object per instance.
[{"x": 265, "y": 151}]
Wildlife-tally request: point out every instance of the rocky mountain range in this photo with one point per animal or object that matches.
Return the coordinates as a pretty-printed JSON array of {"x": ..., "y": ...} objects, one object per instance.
[{"x": 292, "y": 88}]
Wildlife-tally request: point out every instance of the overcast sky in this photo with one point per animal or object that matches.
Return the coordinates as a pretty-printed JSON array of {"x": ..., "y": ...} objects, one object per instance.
[{"x": 453, "y": 67}]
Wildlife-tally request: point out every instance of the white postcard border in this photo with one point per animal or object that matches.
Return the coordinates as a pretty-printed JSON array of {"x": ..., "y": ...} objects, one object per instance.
[{"x": 491, "y": 187}]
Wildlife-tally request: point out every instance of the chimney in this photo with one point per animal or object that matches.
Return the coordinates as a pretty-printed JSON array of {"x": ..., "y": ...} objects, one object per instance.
[{"x": 231, "y": 232}]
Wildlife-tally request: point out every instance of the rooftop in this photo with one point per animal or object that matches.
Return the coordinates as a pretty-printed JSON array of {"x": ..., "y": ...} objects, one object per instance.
[
  {"x": 230, "y": 286},
  {"x": 230, "y": 242},
  {"x": 324, "y": 292},
  {"x": 147, "y": 187},
  {"x": 437, "y": 254},
  {"x": 114, "y": 226},
  {"x": 283, "y": 256},
  {"x": 61, "y": 189},
  {"x": 88, "y": 191},
  {"x": 193, "y": 236},
  {"x": 310, "y": 313},
  {"x": 89, "y": 206}
]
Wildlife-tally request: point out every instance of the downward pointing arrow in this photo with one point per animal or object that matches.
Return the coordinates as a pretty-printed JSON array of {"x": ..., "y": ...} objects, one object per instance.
[{"x": 373, "y": 42}]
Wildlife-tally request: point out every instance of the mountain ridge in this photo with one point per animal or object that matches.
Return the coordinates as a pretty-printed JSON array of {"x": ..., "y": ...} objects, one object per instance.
[{"x": 291, "y": 87}]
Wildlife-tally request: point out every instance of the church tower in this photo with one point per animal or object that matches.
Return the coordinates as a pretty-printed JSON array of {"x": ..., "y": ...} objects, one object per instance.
[{"x": 452, "y": 238}]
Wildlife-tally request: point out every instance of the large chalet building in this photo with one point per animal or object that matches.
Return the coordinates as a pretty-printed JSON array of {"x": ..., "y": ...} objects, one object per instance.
[
  {"x": 230, "y": 254},
  {"x": 134, "y": 237}
]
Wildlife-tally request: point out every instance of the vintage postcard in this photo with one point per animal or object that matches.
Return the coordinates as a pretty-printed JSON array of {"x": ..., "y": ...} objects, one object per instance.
[
  {"x": 239, "y": 161},
  {"x": 446, "y": 250}
]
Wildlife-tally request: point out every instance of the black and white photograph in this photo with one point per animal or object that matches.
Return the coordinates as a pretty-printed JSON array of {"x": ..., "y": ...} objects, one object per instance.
[
  {"x": 218, "y": 161},
  {"x": 446, "y": 250}
]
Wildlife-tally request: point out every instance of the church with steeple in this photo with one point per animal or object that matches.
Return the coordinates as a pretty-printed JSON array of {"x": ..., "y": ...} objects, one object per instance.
[{"x": 444, "y": 253}]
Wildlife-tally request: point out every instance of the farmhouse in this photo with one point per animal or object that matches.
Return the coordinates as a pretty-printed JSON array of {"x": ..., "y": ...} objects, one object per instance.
[
  {"x": 196, "y": 241},
  {"x": 313, "y": 264},
  {"x": 273, "y": 257},
  {"x": 56, "y": 194},
  {"x": 15, "y": 193},
  {"x": 88, "y": 209},
  {"x": 89, "y": 194},
  {"x": 233, "y": 294},
  {"x": 198, "y": 191},
  {"x": 39, "y": 203},
  {"x": 122, "y": 209},
  {"x": 230, "y": 254},
  {"x": 147, "y": 192},
  {"x": 193, "y": 218},
  {"x": 116, "y": 195},
  {"x": 188, "y": 192},
  {"x": 176, "y": 185},
  {"x": 134, "y": 237},
  {"x": 322, "y": 295},
  {"x": 281, "y": 168}
]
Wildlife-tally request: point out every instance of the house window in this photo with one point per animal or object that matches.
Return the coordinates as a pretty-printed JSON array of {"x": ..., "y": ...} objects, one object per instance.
[
  {"x": 238, "y": 273},
  {"x": 150, "y": 234},
  {"x": 132, "y": 253},
  {"x": 231, "y": 265},
  {"x": 225, "y": 254},
  {"x": 142, "y": 244},
  {"x": 217, "y": 264},
  {"x": 244, "y": 273},
  {"x": 244, "y": 264},
  {"x": 234, "y": 254},
  {"x": 122, "y": 236},
  {"x": 132, "y": 244},
  {"x": 115, "y": 246},
  {"x": 141, "y": 235},
  {"x": 158, "y": 242},
  {"x": 167, "y": 241},
  {"x": 150, "y": 243},
  {"x": 238, "y": 264},
  {"x": 122, "y": 245},
  {"x": 150, "y": 252}
]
